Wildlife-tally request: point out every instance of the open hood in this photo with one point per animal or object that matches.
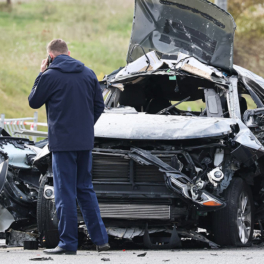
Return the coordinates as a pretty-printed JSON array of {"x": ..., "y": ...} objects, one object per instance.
[{"x": 195, "y": 27}]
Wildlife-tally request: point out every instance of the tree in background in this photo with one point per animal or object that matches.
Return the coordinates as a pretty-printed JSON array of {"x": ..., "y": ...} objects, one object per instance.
[
  {"x": 249, "y": 39},
  {"x": 8, "y": 2}
]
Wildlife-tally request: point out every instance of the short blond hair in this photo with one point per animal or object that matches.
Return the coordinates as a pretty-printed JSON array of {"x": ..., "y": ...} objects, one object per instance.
[{"x": 57, "y": 46}]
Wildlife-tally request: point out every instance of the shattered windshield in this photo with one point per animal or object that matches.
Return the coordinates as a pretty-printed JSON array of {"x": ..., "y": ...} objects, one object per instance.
[{"x": 194, "y": 27}]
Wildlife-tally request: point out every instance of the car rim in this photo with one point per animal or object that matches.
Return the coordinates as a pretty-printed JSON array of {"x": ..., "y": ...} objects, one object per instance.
[{"x": 244, "y": 218}]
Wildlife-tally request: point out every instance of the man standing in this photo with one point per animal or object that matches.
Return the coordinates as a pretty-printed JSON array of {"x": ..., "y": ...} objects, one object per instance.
[{"x": 74, "y": 103}]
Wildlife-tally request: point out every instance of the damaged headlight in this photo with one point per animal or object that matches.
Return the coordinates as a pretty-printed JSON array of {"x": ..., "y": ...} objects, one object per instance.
[{"x": 191, "y": 191}]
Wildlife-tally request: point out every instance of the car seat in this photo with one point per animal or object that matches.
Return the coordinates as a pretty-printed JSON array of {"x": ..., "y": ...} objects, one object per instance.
[{"x": 133, "y": 96}]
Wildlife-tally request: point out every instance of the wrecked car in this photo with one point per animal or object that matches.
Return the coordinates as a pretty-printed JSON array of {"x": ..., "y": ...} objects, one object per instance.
[
  {"x": 158, "y": 168},
  {"x": 19, "y": 182}
]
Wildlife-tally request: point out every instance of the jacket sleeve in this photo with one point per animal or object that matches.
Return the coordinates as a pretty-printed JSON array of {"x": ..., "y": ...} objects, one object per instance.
[
  {"x": 98, "y": 101},
  {"x": 40, "y": 92}
]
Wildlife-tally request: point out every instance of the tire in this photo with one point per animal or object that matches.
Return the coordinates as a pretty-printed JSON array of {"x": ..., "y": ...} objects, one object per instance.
[
  {"x": 228, "y": 227},
  {"x": 47, "y": 218}
]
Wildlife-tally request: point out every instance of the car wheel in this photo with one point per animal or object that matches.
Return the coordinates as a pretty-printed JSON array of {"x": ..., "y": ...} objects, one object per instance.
[
  {"x": 47, "y": 218},
  {"x": 233, "y": 225}
]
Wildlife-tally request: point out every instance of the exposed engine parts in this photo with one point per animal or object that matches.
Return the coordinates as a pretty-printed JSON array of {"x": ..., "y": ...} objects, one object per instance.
[
  {"x": 49, "y": 192},
  {"x": 192, "y": 171},
  {"x": 215, "y": 176}
]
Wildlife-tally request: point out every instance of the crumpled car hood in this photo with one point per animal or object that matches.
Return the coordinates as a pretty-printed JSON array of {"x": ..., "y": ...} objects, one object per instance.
[
  {"x": 195, "y": 27},
  {"x": 160, "y": 127}
]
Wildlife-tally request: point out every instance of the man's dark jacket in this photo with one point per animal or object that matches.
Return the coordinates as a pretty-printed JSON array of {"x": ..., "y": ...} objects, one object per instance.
[{"x": 73, "y": 101}]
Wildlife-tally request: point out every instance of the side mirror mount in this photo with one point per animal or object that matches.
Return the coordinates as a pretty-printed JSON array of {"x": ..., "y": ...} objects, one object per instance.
[{"x": 254, "y": 118}]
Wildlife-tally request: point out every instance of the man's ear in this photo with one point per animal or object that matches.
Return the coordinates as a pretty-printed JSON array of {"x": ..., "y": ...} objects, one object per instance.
[
  {"x": 69, "y": 53},
  {"x": 51, "y": 55}
]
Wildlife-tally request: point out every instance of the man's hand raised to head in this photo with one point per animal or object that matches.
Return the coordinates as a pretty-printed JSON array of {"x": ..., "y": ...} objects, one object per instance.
[{"x": 43, "y": 65}]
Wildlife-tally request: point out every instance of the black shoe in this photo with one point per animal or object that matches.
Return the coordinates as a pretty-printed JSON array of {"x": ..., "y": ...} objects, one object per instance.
[
  {"x": 103, "y": 247},
  {"x": 59, "y": 251}
]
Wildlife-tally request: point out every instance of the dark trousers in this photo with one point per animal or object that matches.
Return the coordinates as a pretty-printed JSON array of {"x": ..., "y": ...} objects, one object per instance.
[{"x": 73, "y": 179}]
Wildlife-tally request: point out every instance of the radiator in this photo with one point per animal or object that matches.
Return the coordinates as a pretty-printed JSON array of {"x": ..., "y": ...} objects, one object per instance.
[
  {"x": 135, "y": 211},
  {"x": 116, "y": 169}
]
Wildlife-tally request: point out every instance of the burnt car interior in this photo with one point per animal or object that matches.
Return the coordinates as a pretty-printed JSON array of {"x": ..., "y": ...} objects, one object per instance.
[{"x": 155, "y": 93}]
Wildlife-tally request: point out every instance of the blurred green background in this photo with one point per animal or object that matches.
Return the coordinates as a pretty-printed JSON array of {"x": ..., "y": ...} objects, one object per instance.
[{"x": 97, "y": 32}]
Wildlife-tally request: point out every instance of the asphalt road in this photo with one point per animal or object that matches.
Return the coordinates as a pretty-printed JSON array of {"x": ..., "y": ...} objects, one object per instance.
[{"x": 184, "y": 256}]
